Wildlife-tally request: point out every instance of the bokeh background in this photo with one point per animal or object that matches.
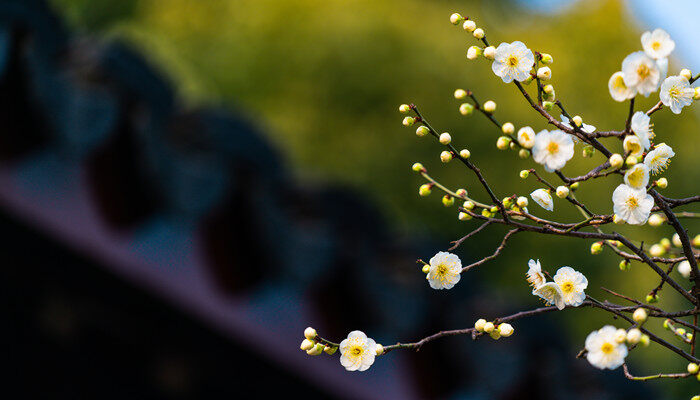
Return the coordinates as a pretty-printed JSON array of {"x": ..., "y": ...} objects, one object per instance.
[{"x": 186, "y": 185}]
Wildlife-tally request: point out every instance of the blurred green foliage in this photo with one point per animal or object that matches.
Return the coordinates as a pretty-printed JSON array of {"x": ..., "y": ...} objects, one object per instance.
[{"x": 326, "y": 77}]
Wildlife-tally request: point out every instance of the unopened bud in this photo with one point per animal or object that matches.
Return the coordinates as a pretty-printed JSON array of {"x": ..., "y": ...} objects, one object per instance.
[
  {"x": 656, "y": 219},
  {"x": 474, "y": 52},
  {"x": 524, "y": 153},
  {"x": 503, "y": 142},
  {"x": 577, "y": 120},
  {"x": 588, "y": 151},
  {"x": 662, "y": 183},
  {"x": 522, "y": 201},
  {"x": 505, "y": 329},
  {"x": 310, "y": 333},
  {"x": 464, "y": 216},
  {"x": 686, "y": 73},
  {"x": 446, "y": 156},
  {"x": 418, "y": 167},
  {"x": 404, "y": 108},
  {"x": 546, "y": 58},
  {"x": 460, "y": 94},
  {"x": 408, "y": 121},
  {"x": 508, "y": 128},
  {"x": 634, "y": 336},
  {"x": 426, "y": 268},
  {"x": 624, "y": 265},
  {"x": 316, "y": 350},
  {"x": 693, "y": 368},
  {"x": 490, "y": 106},
  {"x": 544, "y": 73},
  {"x": 616, "y": 161},
  {"x": 644, "y": 340},
  {"x": 524, "y": 174},
  {"x": 330, "y": 350},
  {"x": 489, "y": 327},
  {"x": 464, "y": 153},
  {"x": 652, "y": 298},
  {"x": 306, "y": 344},
  {"x": 445, "y": 138},
  {"x": 640, "y": 315},
  {"x": 620, "y": 335},
  {"x": 480, "y": 324},
  {"x": 676, "y": 240},
  {"x": 425, "y": 189},
  {"x": 548, "y": 105},
  {"x": 490, "y": 52},
  {"x": 466, "y": 109},
  {"x": 631, "y": 161},
  {"x": 562, "y": 192},
  {"x": 456, "y": 19},
  {"x": 422, "y": 131},
  {"x": 448, "y": 200},
  {"x": 469, "y": 205},
  {"x": 656, "y": 250},
  {"x": 469, "y": 25},
  {"x": 461, "y": 192},
  {"x": 596, "y": 248},
  {"x": 478, "y": 33},
  {"x": 684, "y": 268}
]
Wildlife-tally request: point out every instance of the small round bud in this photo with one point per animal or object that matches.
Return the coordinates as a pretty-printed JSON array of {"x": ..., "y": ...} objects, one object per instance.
[
  {"x": 631, "y": 161},
  {"x": 513, "y": 145},
  {"x": 548, "y": 105},
  {"x": 456, "y": 19},
  {"x": 577, "y": 120},
  {"x": 523, "y": 153},
  {"x": 474, "y": 52},
  {"x": 507, "y": 202},
  {"x": 508, "y": 128},
  {"x": 446, "y": 156},
  {"x": 469, "y": 205},
  {"x": 480, "y": 324},
  {"x": 680, "y": 331},
  {"x": 426, "y": 269},
  {"x": 316, "y": 350},
  {"x": 620, "y": 335},
  {"x": 466, "y": 109},
  {"x": 656, "y": 219},
  {"x": 644, "y": 340},
  {"x": 697, "y": 396},
  {"x": 418, "y": 167},
  {"x": 696, "y": 240},
  {"x": 528, "y": 80},
  {"x": 693, "y": 368},
  {"x": 544, "y": 73},
  {"x": 616, "y": 161},
  {"x": 464, "y": 216},
  {"x": 546, "y": 58},
  {"x": 667, "y": 324},
  {"x": 665, "y": 243},
  {"x": 460, "y": 94},
  {"x": 490, "y": 52},
  {"x": 684, "y": 268},
  {"x": 408, "y": 121},
  {"x": 696, "y": 94},
  {"x": 662, "y": 183},
  {"x": 676, "y": 240},
  {"x": 490, "y": 106},
  {"x": 425, "y": 189},
  {"x": 634, "y": 336},
  {"x": 652, "y": 298},
  {"x": 656, "y": 250},
  {"x": 306, "y": 344},
  {"x": 548, "y": 89},
  {"x": 422, "y": 131},
  {"x": 488, "y": 327},
  {"x": 574, "y": 186},
  {"x": 330, "y": 350},
  {"x": 494, "y": 209},
  {"x": 495, "y": 334},
  {"x": 310, "y": 333},
  {"x": 445, "y": 138},
  {"x": 478, "y": 33},
  {"x": 588, "y": 151},
  {"x": 461, "y": 192},
  {"x": 596, "y": 248},
  {"x": 524, "y": 174},
  {"x": 522, "y": 202},
  {"x": 464, "y": 153},
  {"x": 624, "y": 265},
  {"x": 469, "y": 25},
  {"x": 562, "y": 192},
  {"x": 379, "y": 349},
  {"x": 686, "y": 73},
  {"x": 503, "y": 142},
  {"x": 640, "y": 315},
  {"x": 505, "y": 329},
  {"x": 404, "y": 108},
  {"x": 448, "y": 201}
]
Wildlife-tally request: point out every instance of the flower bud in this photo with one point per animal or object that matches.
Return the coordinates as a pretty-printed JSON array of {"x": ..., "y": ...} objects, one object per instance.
[
  {"x": 310, "y": 333},
  {"x": 696, "y": 240},
  {"x": 665, "y": 243},
  {"x": 528, "y": 80},
  {"x": 379, "y": 349},
  {"x": 425, "y": 189},
  {"x": 652, "y": 298},
  {"x": 426, "y": 268},
  {"x": 616, "y": 161},
  {"x": 662, "y": 183},
  {"x": 522, "y": 201},
  {"x": 466, "y": 109},
  {"x": 469, "y": 25},
  {"x": 618, "y": 220},
  {"x": 546, "y": 58},
  {"x": 464, "y": 216},
  {"x": 634, "y": 336},
  {"x": 667, "y": 324},
  {"x": 490, "y": 106},
  {"x": 624, "y": 265},
  {"x": 505, "y": 329},
  {"x": 408, "y": 121},
  {"x": 460, "y": 94},
  {"x": 306, "y": 344},
  {"x": 478, "y": 33},
  {"x": 544, "y": 73},
  {"x": 456, "y": 19},
  {"x": 644, "y": 340},
  {"x": 574, "y": 186},
  {"x": 508, "y": 128},
  {"x": 495, "y": 334},
  {"x": 549, "y": 89},
  {"x": 596, "y": 248},
  {"x": 503, "y": 142},
  {"x": 548, "y": 105},
  {"x": 464, "y": 153},
  {"x": 494, "y": 209},
  {"x": 620, "y": 335},
  {"x": 676, "y": 240},
  {"x": 577, "y": 120},
  {"x": 656, "y": 219},
  {"x": 686, "y": 73},
  {"x": 523, "y": 153},
  {"x": 524, "y": 174},
  {"x": 445, "y": 138},
  {"x": 656, "y": 250},
  {"x": 696, "y": 95},
  {"x": 469, "y": 205},
  {"x": 422, "y": 131},
  {"x": 631, "y": 161},
  {"x": 474, "y": 52},
  {"x": 562, "y": 191},
  {"x": 684, "y": 268},
  {"x": 640, "y": 315},
  {"x": 446, "y": 156},
  {"x": 316, "y": 350},
  {"x": 588, "y": 151},
  {"x": 330, "y": 350},
  {"x": 418, "y": 167},
  {"x": 461, "y": 192},
  {"x": 480, "y": 324},
  {"x": 697, "y": 396},
  {"x": 693, "y": 368},
  {"x": 404, "y": 108},
  {"x": 490, "y": 52},
  {"x": 488, "y": 327},
  {"x": 448, "y": 200}
]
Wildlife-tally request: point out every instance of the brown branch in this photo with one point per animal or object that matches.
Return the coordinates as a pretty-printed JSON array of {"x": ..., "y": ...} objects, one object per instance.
[
  {"x": 657, "y": 376},
  {"x": 458, "y": 242},
  {"x": 495, "y": 253}
]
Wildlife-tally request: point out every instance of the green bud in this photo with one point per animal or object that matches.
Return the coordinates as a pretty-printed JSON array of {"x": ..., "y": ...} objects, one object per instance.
[
  {"x": 588, "y": 151},
  {"x": 426, "y": 268},
  {"x": 548, "y": 105},
  {"x": 448, "y": 200},
  {"x": 524, "y": 153},
  {"x": 524, "y": 174},
  {"x": 469, "y": 205},
  {"x": 404, "y": 108},
  {"x": 425, "y": 189},
  {"x": 494, "y": 209},
  {"x": 409, "y": 121},
  {"x": 624, "y": 265},
  {"x": 596, "y": 248},
  {"x": 652, "y": 298},
  {"x": 466, "y": 109},
  {"x": 418, "y": 167}
]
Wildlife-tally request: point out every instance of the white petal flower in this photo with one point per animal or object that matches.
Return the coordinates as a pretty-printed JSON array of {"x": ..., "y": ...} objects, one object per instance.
[
  {"x": 551, "y": 293},
  {"x": 553, "y": 149},
  {"x": 543, "y": 198},
  {"x": 526, "y": 137},
  {"x": 534, "y": 274},
  {"x": 676, "y": 93},
  {"x": 357, "y": 351},
  {"x": 603, "y": 350},
  {"x": 445, "y": 270},
  {"x": 632, "y": 205},
  {"x": 641, "y": 73},
  {"x": 619, "y": 91},
  {"x": 584, "y": 127},
  {"x": 637, "y": 177},
  {"x": 633, "y": 145},
  {"x": 658, "y": 159},
  {"x": 513, "y": 61},
  {"x": 572, "y": 284},
  {"x": 684, "y": 268},
  {"x": 642, "y": 128},
  {"x": 657, "y": 44}
]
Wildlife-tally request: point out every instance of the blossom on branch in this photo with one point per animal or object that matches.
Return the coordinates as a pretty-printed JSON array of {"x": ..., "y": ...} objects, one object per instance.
[
  {"x": 676, "y": 93},
  {"x": 619, "y": 91},
  {"x": 641, "y": 126},
  {"x": 445, "y": 270},
  {"x": 572, "y": 284},
  {"x": 637, "y": 177},
  {"x": 534, "y": 274},
  {"x": 657, "y": 44},
  {"x": 513, "y": 61},
  {"x": 357, "y": 351},
  {"x": 632, "y": 205},
  {"x": 658, "y": 159},
  {"x": 553, "y": 149},
  {"x": 641, "y": 73},
  {"x": 543, "y": 198},
  {"x": 551, "y": 293},
  {"x": 603, "y": 350}
]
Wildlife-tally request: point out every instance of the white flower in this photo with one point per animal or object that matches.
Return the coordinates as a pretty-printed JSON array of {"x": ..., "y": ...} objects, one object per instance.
[
  {"x": 526, "y": 137},
  {"x": 633, "y": 145},
  {"x": 642, "y": 128},
  {"x": 676, "y": 93},
  {"x": 632, "y": 205},
  {"x": 572, "y": 284},
  {"x": 551, "y": 293},
  {"x": 637, "y": 177},
  {"x": 513, "y": 61},
  {"x": 534, "y": 274},
  {"x": 505, "y": 329},
  {"x": 603, "y": 350},
  {"x": 543, "y": 198},
  {"x": 658, "y": 159},
  {"x": 684, "y": 268},
  {"x": 553, "y": 149},
  {"x": 357, "y": 351},
  {"x": 445, "y": 270},
  {"x": 657, "y": 44},
  {"x": 584, "y": 127},
  {"x": 641, "y": 73},
  {"x": 618, "y": 90}
]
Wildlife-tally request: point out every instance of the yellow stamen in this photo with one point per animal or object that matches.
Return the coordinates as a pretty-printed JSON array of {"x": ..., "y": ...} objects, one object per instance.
[{"x": 553, "y": 147}]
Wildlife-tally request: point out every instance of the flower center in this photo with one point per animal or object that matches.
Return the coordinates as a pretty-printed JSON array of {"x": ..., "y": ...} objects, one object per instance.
[
  {"x": 356, "y": 351},
  {"x": 635, "y": 177},
  {"x": 619, "y": 83},
  {"x": 567, "y": 287},
  {"x": 674, "y": 92},
  {"x": 441, "y": 271},
  {"x": 656, "y": 45},
  {"x": 607, "y": 348},
  {"x": 632, "y": 202},
  {"x": 553, "y": 147},
  {"x": 512, "y": 61},
  {"x": 643, "y": 71}
]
